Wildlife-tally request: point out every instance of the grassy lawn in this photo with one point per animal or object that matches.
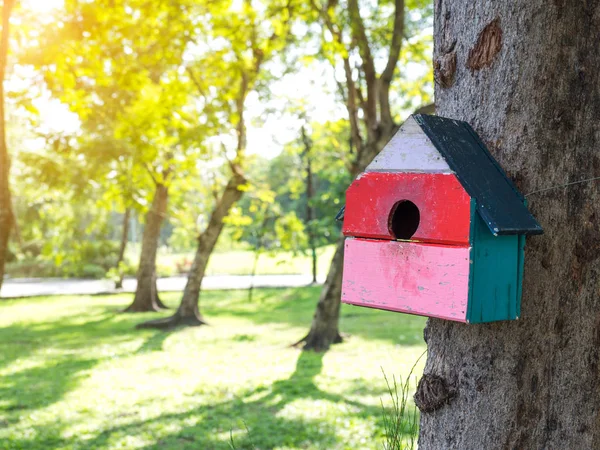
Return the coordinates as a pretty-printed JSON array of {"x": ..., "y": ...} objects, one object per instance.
[{"x": 76, "y": 374}]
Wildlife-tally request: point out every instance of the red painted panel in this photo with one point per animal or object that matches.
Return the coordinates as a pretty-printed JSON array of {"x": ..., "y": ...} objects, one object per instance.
[
  {"x": 425, "y": 279},
  {"x": 444, "y": 206}
]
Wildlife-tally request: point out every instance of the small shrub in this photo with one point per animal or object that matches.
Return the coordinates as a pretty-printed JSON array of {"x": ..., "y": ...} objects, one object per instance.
[
  {"x": 183, "y": 265},
  {"x": 92, "y": 271},
  {"x": 164, "y": 270},
  {"x": 116, "y": 274},
  {"x": 32, "y": 268}
]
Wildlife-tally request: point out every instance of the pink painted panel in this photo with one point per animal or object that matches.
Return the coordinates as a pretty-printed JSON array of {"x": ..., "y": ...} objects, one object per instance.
[{"x": 415, "y": 278}]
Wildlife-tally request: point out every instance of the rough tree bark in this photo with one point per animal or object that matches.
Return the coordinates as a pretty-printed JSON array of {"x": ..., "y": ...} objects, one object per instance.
[
  {"x": 526, "y": 77},
  {"x": 146, "y": 295},
  {"x": 380, "y": 127},
  {"x": 6, "y": 212},
  {"x": 188, "y": 313},
  {"x": 123, "y": 246}
]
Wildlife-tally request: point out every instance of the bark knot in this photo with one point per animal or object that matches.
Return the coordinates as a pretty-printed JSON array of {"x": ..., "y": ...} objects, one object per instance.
[
  {"x": 444, "y": 69},
  {"x": 487, "y": 47},
  {"x": 433, "y": 392}
]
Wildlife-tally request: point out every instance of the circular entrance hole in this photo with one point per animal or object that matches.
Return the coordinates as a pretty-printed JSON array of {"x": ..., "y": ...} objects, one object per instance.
[{"x": 404, "y": 219}]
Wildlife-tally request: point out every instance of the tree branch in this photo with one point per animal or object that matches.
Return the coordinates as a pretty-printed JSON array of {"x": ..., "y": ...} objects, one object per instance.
[
  {"x": 360, "y": 36},
  {"x": 353, "y": 115},
  {"x": 241, "y": 125},
  {"x": 386, "y": 76},
  {"x": 150, "y": 172},
  {"x": 195, "y": 81},
  {"x": 336, "y": 33}
]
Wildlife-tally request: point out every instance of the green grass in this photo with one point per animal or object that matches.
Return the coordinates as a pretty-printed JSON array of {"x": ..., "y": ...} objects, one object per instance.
[{"x": 74, "y": 373}]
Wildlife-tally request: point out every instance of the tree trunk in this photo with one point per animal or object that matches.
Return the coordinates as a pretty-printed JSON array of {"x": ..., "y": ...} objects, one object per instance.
[
  {"x": 379, "y": 127},
  {"x": 310, "y": 193},
  {"x": 324, "y": 330},
  {"x": 188, "y": 313},
  {"x": 253, "y": 272},
  {"x": 6, "y": 212},
  {"x": 527, "y": 79},
  {"x": 123, "y": 247},
  {"x": 310, "y": 215},
  {"x": 146, "y": 294}
]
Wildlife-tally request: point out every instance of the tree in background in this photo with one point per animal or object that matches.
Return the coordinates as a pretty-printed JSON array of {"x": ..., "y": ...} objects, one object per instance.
[
  {"x": 354, "y": 38},
  {"x": 236, "y": 64},
  {"x": 6, "y": 211},
  {"x": 524, "y": 75},
  {"x": 132, "y": 104},
  {"x": 162, "y": 128},
  {"x": 310, "y": 178}
]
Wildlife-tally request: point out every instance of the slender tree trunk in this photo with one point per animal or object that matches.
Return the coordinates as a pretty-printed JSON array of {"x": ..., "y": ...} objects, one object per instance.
[
  {"x": 253, "y": 273},
  {"x": 123, "y": 246},
  {"x": 310, "y": 210},
  {"x": 146, "y": 294},
  {"x": 527, "y": 79},
  {"x": 188, "y": 313},
  {"x": 324, "y": 330},
  {"x": 257, "y": 250},
  {"x": 379, "y": 127},
  {"x": 6, "y": 212},
  {"x": 313, "y": 251},
  {"x": 310, "y": 216}
]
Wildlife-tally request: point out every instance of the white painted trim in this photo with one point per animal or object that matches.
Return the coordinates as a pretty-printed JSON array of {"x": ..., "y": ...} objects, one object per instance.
[{"x": 410, "y": 150}]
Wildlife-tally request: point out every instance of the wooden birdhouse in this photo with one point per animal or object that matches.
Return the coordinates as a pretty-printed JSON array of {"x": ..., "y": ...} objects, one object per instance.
[{"x": 434, "y": 227}]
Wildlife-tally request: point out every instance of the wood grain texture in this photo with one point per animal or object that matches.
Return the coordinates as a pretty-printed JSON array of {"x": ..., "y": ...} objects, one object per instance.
[
  {"x": 531, "y": 383},
  {"x": 423, "y": 279},
  {"x": 443, "y": 204},
  {"x": 410, "y": 150}
]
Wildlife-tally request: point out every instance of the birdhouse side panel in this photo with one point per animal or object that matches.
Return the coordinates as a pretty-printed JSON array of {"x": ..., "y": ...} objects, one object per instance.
[
  {"x": 423, "y": 279},
  {"x": 495, "y": 292},
  {"x": 444, "y": 211}
]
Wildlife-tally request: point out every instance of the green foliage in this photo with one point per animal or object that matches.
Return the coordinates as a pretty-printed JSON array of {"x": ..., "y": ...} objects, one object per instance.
[
  {"x": 65, "y": 375},
  {"x": 83, "y": 258},
  {"x": 161, "y": 91},
  {"x": 123, "y": 269}
]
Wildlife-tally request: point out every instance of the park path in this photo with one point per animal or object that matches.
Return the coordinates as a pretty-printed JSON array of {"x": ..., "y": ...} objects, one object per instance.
[{"x": 30, "y": 287}]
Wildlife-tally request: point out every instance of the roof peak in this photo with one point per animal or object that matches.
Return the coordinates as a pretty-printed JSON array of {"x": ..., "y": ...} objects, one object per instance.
[{"x": 499, "y": 202}]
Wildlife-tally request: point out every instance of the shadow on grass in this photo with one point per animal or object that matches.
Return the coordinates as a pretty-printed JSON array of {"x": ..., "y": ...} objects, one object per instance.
[
  {"x": 154, "y": 343},
  {"x": 55, "y": 354},
  {"x": 256, "y": 419},
  {"x": 264, "y": 417},
  {"x": 296, "y": 306}
]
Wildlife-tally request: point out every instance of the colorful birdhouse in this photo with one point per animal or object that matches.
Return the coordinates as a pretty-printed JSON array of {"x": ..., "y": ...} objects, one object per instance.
[{"x": 434, "y": 227}]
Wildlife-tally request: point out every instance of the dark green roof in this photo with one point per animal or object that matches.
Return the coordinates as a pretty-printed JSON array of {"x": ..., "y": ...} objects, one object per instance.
[{"x": 499, "y": 203}]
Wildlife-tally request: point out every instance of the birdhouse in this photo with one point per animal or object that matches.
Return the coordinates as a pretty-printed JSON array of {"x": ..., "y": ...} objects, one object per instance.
[{"x": 434, "y": 227}]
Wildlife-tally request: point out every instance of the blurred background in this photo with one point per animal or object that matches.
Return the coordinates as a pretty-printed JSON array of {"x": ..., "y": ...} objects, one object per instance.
[{"x": 188, "y": 140}]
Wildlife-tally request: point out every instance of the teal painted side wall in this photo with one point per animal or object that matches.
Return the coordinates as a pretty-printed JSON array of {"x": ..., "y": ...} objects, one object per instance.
[
  {"x": 474, "y": 215},
  {"x": 496, "y": 273},
  {"x": 520, "y": 269}
]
